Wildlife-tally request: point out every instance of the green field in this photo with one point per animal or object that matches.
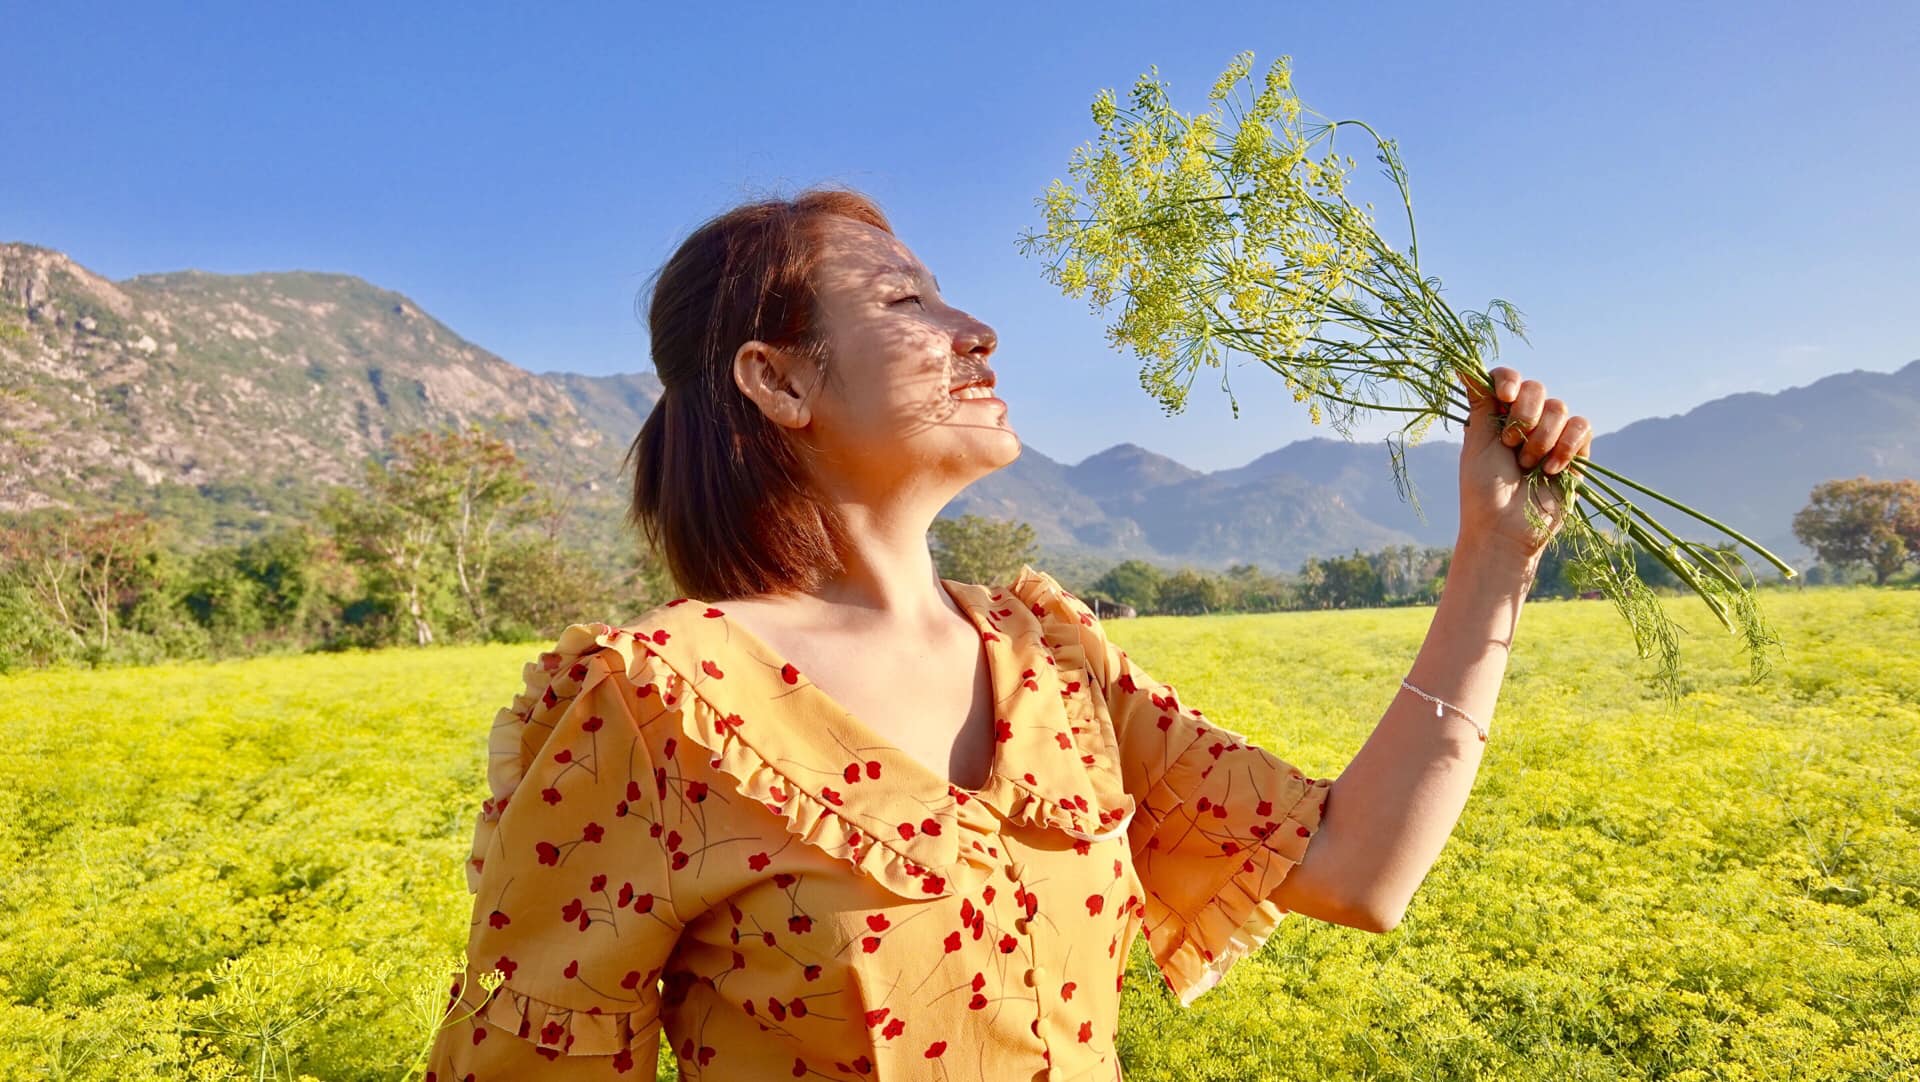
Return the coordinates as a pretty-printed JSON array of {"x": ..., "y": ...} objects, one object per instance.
[{"x": 253, "y": 869}]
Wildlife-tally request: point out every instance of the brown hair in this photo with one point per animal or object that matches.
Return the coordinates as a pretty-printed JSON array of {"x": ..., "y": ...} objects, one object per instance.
[{"x": 719, "y": 490}]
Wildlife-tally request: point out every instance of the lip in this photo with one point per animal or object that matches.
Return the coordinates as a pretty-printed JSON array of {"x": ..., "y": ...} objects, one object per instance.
[{"x": 985, "y": 381}]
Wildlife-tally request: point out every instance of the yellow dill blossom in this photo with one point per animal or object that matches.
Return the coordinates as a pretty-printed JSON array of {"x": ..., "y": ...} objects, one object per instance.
[{"x": 1246, "y": 239}]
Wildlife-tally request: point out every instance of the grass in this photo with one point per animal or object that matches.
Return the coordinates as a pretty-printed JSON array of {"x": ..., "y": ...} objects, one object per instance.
[{"x": 252, "y": 869}]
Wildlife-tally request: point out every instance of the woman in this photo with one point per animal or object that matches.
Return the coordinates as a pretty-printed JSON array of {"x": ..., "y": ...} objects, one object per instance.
[{"x": 833, "y": 816}]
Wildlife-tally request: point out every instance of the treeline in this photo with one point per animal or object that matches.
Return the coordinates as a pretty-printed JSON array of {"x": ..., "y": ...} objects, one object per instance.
[
  {"x": 447, "y": 540},
  {"x": 1858, "y": 529}
]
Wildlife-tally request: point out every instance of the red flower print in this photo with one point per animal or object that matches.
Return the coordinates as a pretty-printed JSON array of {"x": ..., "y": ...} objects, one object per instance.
[
  {"x": 759, "y": 861},
  {"x": 790, "y": 674},
  {"x": 498, "y": 919},
  {"x": 894, "y": 1029},
  {"x": 878, "y": 921},
  {"x": 936, "y": 1050},
  {"x": 1095, "y": 903},
  {"x": 1086, "y": 1032},
  {"x": 873, "y": 768},
  {"x": 548, "y": 852},
  {"x": 877, "y": 1016},
  {"x": 953, "y": 942},
  {"x": 712, "y": 670}
]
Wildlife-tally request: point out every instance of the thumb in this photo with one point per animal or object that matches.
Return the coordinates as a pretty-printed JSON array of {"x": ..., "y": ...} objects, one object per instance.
[{"x": 1484, "y": 408}]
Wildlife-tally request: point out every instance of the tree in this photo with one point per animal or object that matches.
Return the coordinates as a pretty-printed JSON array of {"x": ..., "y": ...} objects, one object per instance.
[
  {"x": 1134, "y": 583},
  {"x": 83, "y": 571},
  {"x": 437, "y": 507},
  {"x": 1858, "y": 521},
  {"x": 1189, "y": 592},
  {"x": 1249, "y": 589},
  {"x": 975, "y": 549},
  {"x": 1342, "y": 582}
]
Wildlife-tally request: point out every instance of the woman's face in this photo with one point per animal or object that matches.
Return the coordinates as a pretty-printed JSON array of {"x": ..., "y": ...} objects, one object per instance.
[{"x": 885, "y": 415}]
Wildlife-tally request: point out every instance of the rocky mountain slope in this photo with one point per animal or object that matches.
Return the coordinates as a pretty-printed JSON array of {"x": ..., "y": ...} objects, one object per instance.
[{"x": 228, "y": 403}]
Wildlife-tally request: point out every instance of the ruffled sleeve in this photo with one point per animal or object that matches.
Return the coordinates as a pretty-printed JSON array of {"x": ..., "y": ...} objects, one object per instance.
[
  {"x": 1219, "y": 821},
  {"x": 573, "y": 912}
]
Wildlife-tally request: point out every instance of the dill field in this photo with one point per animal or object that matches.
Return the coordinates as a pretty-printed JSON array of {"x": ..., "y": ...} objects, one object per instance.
[{"x": 253, "y": 869}]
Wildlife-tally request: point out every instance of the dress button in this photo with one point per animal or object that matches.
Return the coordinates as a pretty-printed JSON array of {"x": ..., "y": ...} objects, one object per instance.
[
  {"x": 1035, "y": 976},
  {"x": 1015, "y": 870},
  {"x": 1020, "y": 924}
]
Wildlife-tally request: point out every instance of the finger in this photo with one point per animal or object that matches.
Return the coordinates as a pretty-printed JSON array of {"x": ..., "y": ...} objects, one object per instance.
[
  {"x": 1506, "y": 383},
  {"x": 1574, "y": 437},
  {"x": 1528, "y": 402},
  {"x": 1476, "y": 394},
  {"x": 1543, "y": 436}
]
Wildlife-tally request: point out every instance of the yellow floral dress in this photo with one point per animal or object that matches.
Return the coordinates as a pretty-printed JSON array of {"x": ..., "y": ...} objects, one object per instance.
[{"x": 686, "y": 832}]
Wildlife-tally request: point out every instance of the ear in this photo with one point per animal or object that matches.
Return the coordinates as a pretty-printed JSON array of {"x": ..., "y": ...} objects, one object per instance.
[{"x": 776, "y": 380}]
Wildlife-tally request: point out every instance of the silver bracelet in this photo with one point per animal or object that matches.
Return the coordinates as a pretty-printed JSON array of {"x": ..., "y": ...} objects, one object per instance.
[{"x": 1440, "y": 705}]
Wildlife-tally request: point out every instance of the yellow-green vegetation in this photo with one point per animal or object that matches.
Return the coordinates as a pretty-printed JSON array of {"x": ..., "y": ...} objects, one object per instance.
[{"x": 252, "y": 869}]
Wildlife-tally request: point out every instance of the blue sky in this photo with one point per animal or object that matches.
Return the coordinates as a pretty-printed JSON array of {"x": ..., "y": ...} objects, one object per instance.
[{"x": 1686, "y": 200}]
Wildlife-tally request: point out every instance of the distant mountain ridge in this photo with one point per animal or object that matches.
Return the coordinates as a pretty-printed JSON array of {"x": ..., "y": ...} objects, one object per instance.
[{"x": 233, "y": 400}]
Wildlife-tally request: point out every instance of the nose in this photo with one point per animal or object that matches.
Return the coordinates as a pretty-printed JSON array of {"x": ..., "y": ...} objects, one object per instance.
[{"x": 978, "y": 339}]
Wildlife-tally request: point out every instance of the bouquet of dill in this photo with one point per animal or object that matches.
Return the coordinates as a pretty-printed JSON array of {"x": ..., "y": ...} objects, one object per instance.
[{"x": 1247, "y": 241}]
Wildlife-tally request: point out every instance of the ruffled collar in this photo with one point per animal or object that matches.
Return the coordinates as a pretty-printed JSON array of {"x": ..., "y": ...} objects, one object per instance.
[{"x": 784, "y": 741}]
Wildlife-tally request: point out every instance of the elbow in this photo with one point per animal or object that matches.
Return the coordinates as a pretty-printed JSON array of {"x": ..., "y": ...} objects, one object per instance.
[
  {"x": 1374, "y": 915},
  {"x": 1377, "y": 921}
]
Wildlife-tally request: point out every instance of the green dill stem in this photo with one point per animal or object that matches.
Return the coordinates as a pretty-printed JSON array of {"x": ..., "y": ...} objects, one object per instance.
[
  {"x": 1710, "y": 565},
  {"x": 1684, "y": 572},
  {"x": 1715, "y": 523}
]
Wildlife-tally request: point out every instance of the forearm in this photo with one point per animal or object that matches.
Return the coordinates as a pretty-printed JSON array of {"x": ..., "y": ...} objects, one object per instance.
[{"x": 1392, "y": 809}]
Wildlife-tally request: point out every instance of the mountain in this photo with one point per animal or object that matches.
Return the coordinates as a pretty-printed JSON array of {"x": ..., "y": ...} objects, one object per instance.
[
  {"x": 1751, "y": 460},
  {"x": 228, "y": 403},
  {"x": 234, "y": 400}
]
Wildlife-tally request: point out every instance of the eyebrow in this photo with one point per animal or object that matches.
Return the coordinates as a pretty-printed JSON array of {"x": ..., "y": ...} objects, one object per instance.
[{"x": 913, "y": 272}]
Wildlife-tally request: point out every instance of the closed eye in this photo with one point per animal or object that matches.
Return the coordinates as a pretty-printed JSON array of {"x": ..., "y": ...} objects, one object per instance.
[{"x": 911, "y": 297}]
